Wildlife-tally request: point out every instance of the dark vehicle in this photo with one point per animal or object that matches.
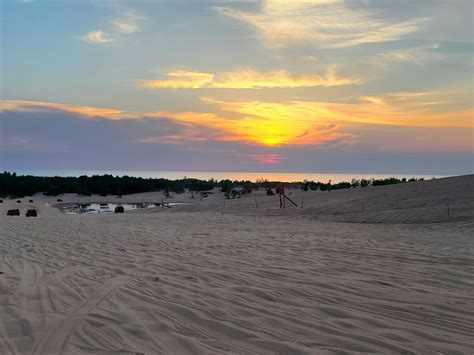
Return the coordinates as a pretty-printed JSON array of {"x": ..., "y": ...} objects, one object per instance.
[
  {"x": 14, "y": 212},
  {"x": 31, "y": 201},
  {"x": 119, "y": 209},
  {"x": 18, "y": 201},
  {"x": 59, "y": 200},
  {"x": 31, "y": 213},
  {"x": 1, "y": 201}
]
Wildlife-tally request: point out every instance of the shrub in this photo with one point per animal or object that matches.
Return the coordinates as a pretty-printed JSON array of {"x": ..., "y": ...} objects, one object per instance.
[{"x": 355, "y": 183}]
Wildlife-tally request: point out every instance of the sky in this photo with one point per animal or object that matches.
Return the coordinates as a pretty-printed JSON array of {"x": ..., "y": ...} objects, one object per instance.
[{"x": 343, "y": 86}]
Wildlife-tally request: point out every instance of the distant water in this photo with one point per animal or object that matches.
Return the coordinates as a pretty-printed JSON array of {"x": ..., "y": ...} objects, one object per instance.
[{"x": 252, "y": 176}]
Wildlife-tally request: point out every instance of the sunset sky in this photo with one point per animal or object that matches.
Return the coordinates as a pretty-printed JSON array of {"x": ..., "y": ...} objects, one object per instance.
[{"x": 350, "y": 86}]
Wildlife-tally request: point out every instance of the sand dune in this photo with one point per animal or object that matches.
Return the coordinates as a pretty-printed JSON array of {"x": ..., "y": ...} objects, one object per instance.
[
  {"x": 415, "y": 202},
  {"x": 209, "y": 279}
]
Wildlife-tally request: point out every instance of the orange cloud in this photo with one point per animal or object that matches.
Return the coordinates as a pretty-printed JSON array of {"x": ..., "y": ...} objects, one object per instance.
[
  {"x": 416, "y": 111},
  {"x": 246, "y": 79},
  {"x": 309, "y": 122}
]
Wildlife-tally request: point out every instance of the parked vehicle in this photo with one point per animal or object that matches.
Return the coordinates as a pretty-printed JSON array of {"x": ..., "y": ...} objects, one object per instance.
[
  {"x": 18, "y": 201},
  {"x": 31, "y": 213},
  {"x": 31, "y": 201},
  {"x": 59, "y": 200},
  {"x": 13, "y": 212},
  {"x": 119, "y": 209}
]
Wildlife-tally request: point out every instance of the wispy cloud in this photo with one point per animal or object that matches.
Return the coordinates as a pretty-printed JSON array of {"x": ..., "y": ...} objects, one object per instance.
[
  {"x": 328, "y": 23},
  {"x": 418, "y": 55},
  {"x": 128, "y": 22},
  {"x": 98, "y": 37},
  {"x": 180, "y": 79},
  {"x": 83, "y": 111},
  {"x": 125, "y": 24},
  {"x": 310, "y": 58},
  {"x": 246, "y": 79}
]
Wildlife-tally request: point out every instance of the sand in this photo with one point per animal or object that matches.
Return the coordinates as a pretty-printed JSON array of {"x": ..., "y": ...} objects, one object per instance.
[{"x": 202, "y": 278}]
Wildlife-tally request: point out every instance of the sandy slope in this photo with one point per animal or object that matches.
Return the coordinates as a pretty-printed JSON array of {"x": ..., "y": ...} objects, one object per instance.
[{"x": 178, "y": 281}]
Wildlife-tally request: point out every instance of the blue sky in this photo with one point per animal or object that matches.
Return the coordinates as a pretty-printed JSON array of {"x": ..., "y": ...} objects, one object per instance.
[{"x": 315, "y": 86}]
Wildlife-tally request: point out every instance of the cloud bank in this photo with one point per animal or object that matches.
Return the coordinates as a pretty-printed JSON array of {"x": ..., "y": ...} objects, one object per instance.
[{"x": 50, "y": 135}]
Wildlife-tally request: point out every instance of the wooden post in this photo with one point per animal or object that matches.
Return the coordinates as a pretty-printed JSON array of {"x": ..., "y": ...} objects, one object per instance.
[
  {"x": 256, "y": 206},
  {"x": 301, "y": 201},
  {"x": 448, "y": 208},
  {"x": 162, "y": 204},
  {"x": 363, "y": 207}
]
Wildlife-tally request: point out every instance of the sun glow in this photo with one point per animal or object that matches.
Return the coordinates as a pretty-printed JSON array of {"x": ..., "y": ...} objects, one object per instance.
[{"x": 265, "y": 124}]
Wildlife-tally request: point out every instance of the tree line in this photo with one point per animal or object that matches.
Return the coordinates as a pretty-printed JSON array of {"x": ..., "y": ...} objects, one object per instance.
[
  {"x": 13, "y": 185},
  {"x": 312, "y": 185}
]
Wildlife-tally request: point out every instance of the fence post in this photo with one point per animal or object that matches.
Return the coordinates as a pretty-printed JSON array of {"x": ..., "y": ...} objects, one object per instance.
[
  {"x": 448, "y": 208},
  {"x": 256, "y": 206},
  {"x": 302, "y": 201},
  {"x": 162, "y": 205}
]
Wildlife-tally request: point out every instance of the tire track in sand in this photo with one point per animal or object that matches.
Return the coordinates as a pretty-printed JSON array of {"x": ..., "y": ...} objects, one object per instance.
[
  {"x": 51, "y": 277},
  {"x": 55, "y": 341}
]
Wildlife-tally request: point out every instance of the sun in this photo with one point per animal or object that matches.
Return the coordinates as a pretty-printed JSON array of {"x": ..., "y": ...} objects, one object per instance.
[{"x": 271, "y": 141}]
